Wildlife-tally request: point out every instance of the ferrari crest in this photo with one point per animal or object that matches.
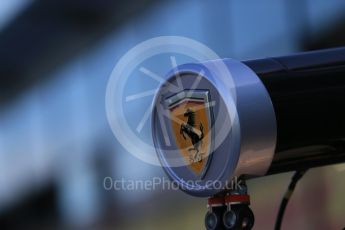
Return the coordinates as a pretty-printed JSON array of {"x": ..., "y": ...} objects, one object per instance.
[{"x": 190, "y": 115}]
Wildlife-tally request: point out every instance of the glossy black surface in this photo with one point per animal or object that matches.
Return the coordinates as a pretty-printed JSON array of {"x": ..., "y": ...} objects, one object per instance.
[{"x": 308, "y": 95}]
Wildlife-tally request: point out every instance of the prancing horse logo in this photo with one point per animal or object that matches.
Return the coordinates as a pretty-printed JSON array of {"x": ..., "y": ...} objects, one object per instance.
[
  {"x": 190, "y": 117},
  {"x": 195, "y": 137}
]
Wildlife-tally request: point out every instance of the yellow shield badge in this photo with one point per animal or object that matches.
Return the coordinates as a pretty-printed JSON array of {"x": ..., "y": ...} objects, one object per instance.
[{"x": 191, "y": 120}]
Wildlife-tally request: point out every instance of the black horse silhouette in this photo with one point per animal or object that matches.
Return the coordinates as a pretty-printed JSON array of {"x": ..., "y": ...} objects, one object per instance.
[{"x": 189, "y": 129}]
